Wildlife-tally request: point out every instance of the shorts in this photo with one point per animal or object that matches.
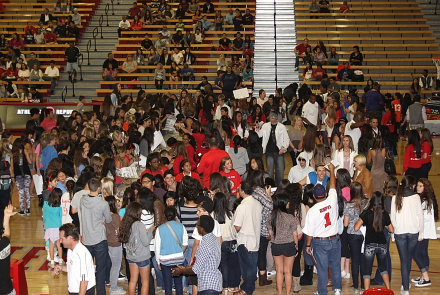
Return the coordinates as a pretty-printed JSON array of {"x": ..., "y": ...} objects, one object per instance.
[
  {"x": 288, "y": 249},
  {"x": 52, "y": 234},
  {"x": 72, "y": 66},
  {"x": 141, "y": 264}
]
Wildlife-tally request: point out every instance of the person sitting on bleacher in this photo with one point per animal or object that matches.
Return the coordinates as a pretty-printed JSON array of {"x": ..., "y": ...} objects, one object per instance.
[
  {"x": 208, "y": 7},
  {"x": 58, "y": 8},
  {"x": 30, "y": 27},
  {"x": 61, "y": 29},
  {"x": 333, "y": 57},
  {"x": 133, "y": 10},
  {"x": 29, "y": 37},
  {"x": 189, "y": 57},
  {"x": 319, "y": 56},
  {"x": 198, "y": 37},
  {"x": 324, "y": 6},
  {"x": 319, "y": 72},
  {"x": 148, "y": 18},
  {"x": 147, "y": 44},
  {"x": 356, "y": 57},
  {"x": 225, "y": 43},
  {"x": 248, "y": 18},
  {"x": 425, "y": 81},
  {"x": 333, "y": 87},
  {"x": 136, "y": 24},
  {"x": 160, "y": 19},
  {"x": 188, "y": 38},
  {"x": 168, "y": 12},
  {"x": 33, "y": 61},
  {"x": 50, "y": 38},
  {"x": 229, "y": 19},
  {"x": 177, "y": 56},
  {"x": 46, "y": 17},
  {"x": 207, "y": 25},
  {"x": 300, "y": 51},
  {"x": 160, "y": 42},
  {"x": 110, "y": 60},
  {"x": 166, "y": 34},
  {"x": 345, "y": 75},
  {"x": 76, "y": 17},
  {"x": 68, "y": 8},
  {"x": 36, "y": 74},
  {"x": 237, "y": 44},
  {"x": 109, "y": 74},
  {"x": 181, "y": 11},
  {"x": 193, "y": 6},
  {"x": 178, "y": 39},
  {"x": 313, "y": 8},
  {"x": 187, "y": 74},
  {"x": 124, "y": 25},
  {"x": 72, "y": 30},
  {"x": 129, "y": 65},
  {"x": 162, "y": 5},
  {"x": 52, "y": 74},
  {"x": 165, "y": 58}
]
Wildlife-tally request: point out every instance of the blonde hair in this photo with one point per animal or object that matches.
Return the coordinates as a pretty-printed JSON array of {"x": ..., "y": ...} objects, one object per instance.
[
  {"x": 116, "y": 134},
  {"x": 361, "y": 160},
  {"x": 103, "y": 157},
  {"x": 331, "y": 112},
  {"x": 89, "y": 133},
  {"x": 96, "y": 163},
  {"x": 46, "y": 138},
  {"x": 130, "y": 117},
  {"x": 302, "y": 128},
  {"x": 4, "y": 147},
  {"x": 107, "y": 186}
]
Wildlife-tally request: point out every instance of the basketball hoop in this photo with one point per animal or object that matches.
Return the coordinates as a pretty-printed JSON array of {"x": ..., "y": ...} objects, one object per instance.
[{"x": 436, "y": 61}]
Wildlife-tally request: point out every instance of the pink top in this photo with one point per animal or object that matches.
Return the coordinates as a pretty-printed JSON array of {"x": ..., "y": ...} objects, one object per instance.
[{"x": 346, "y": 193}]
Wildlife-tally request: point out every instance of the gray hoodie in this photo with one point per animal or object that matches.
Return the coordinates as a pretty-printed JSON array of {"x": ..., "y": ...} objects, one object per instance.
[
  {"x": 94, "y": 210},
  {"x": 138, "y": 246},
  {"x": 239, "y": 159}
]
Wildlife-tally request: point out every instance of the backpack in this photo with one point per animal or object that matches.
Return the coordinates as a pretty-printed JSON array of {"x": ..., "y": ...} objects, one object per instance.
[{"x": 5, "y": 175}]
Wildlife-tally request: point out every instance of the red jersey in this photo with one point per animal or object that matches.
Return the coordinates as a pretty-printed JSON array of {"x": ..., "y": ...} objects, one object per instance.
[
  {"x": 386, "y": 120},
  {"x": 410, "y": 160},
  {"x": 397, "y": 109},
  {"x": 178, "y": 160},
  {"x": 234, "y": 178},
  {"x": 319, "y": 73},
  {"x": 426, "y": 149},
  {"x": 200, "y": 140},
  {"x": 338, "y": 114},
  {"x": 202, "y": 117},
  {"x": 48, "y": 124},
  {"x": 210, "y": 163},
  {"x": 192, "y": 174},
  {"x": 50, "y": 37},
  {"x": 190, "y": 151},
  {"x": 31, "y": 28}
]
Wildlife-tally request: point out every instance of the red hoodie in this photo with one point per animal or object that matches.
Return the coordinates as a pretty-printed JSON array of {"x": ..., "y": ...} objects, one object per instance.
[
  {"x": 426, "y": 148},
  {"x": 410, "y": 159}
]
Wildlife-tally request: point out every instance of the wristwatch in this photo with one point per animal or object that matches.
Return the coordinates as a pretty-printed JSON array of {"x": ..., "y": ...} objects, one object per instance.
[{"x": 307, "y": 246}]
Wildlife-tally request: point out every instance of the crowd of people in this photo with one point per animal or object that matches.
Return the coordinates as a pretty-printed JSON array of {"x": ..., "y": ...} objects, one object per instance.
[{"x": 212, "y": 192}]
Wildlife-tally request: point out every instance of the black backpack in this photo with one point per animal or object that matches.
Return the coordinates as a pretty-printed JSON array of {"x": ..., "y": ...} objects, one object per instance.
[{"x": 5, "y": 175}]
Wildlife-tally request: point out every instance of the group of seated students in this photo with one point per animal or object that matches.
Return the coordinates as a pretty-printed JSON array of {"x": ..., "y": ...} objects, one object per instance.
[
  {"x": 189, "y": 143},
  {"x": 323, "y": 6}
]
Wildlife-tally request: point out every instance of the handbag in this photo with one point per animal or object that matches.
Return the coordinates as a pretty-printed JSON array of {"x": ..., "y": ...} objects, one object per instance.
[
  {"x": 175, "y": 260},
  {"x": 389, "y": 166}
]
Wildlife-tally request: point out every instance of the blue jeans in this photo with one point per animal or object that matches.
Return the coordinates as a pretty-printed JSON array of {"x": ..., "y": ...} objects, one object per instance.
[
  {"x": 307, "y": 258},
  {"x": 328, "y": 255},
  {"x": 100, "y": 253},
  {"x": 406, "y": 243},
  {"x": 159, "y": 276},
  {"x": 229, "y": 268},
  {"x": 421, "y": 255},
  {"x": 275, "y": 160},
  {"x": 380, "y": 250},
  {"x": 378, "y": 277},
  {"x": 168, "y": 280},
  {"x": 248, "y": 267},
  {"x": 187, "y": 255},
  {"x": 357, "y": 259},
  {"x": 52, "y": 80}
]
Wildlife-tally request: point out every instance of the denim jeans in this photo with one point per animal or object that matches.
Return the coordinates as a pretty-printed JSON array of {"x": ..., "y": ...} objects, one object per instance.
[
  {"x": 53, "y": 82},
  {"x": 406, "y": 243},
  {"x": 378, "y": 277},
  {"x": 168, "y": 280},
  {"x": 357, "y": 259},
  {"x": 275, "y": 161},
  {"x": 380, "y": 250},
  {"x": 100, "y": 253},
  {"x": 248, "y": 268},
  {"x": 328, "y": 255},
  {"x": 187, "y": 255},
  {"x": 229, "y": 268},
  {"x": 421, "y": 255},
  {"x": 116, "y": 258},
  {"x": 307, "y": 258},
  {"x": 159, "y": 276}
]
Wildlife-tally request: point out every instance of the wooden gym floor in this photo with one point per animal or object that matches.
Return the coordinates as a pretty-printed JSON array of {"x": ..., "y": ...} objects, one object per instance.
[{"x": 27, "y": 239}]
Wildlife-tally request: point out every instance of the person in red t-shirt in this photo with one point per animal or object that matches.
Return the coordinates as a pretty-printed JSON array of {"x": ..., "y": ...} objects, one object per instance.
[
  {"x": 319, "y": 72},
  {"x": 300, "y": 50},
  {"x": 49, "y": 122},
  {"x": 185, "y": 166},
  {"x": 344, "y": 8},
  {"x": 226, "y": 169},
  {"x": 412, "y": 160},
  {"x": 427, "y": 147},
  {"x": 181, "y": 155},
  {"x": 210, "y": 162},
  {"x": 154, "y": 165},
  {"x": 30, "y": 27},
  {"x": 387, "y": 118}
]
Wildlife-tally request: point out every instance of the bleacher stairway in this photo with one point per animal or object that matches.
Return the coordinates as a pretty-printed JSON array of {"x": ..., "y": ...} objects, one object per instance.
[
  {"x": 92, "y": 72},
  {"x": 275, "y": 38}
]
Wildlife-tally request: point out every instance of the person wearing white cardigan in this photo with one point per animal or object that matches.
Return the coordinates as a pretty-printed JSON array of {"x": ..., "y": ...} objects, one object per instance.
[
  {"x": 407, "y": 219},
  {"x": 430, "y": 214}
]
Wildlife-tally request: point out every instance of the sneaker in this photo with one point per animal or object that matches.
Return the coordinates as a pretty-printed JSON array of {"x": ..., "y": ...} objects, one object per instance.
[
  {"x": 21, "y": 213},
  {"x": 56, "y": 259},
  {"x": 316, "y": 293},
  {"x": 28, "y": 212},
  {"x": 121, "y": 277},
  {"x": 416, "y": 280},
  {"x": 119, "y": 290},
  {"x": 301, "y": 274},
  {"x": 51, "y": 264},
  {"x": 401, "y": 288},
  {"x": 423, "y": 283},
  {"x": 271, "y": 273},
  {"x": 337, "y": 291},
  {"x": 347, "y": 276},
  {"x": 62, "y": 262},
  {"x": 315, "y": 270},
  {"x": 343, "y": 273},
  {"x": 361, "y": 291},
  {"x": 354, "y": 290}
]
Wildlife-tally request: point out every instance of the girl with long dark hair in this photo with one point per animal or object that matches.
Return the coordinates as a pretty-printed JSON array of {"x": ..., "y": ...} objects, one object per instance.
[
  {"x": 430, "y": 216},
  {"x": 298, "y": 211},
  {"x": 137, "y": 243},
  {"x": 375, "y": 219},
  {"x": 282, "y": 228},
  {"x": 427, "y": 147},
  {"x": 239, "y": 155},
  {"x": 52, "y": 218},
  {"x": 412, "y": 160},
  {"x": 257, "y": 116},
  {"x": 229, "y": 267},
  {"x": 22, "y": 173},
  {"x": 407, "y": 219}
]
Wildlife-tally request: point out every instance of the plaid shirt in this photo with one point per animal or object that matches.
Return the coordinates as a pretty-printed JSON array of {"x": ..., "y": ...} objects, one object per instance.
[
  {"x": 208, "y": 258},
  {"x": 261, "y": 196}
]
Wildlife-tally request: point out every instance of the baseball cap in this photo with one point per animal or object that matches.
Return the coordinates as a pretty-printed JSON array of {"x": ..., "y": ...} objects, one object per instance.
[
  {"x": 319, "y": 191},
  {"x": 49, "y": 29}
]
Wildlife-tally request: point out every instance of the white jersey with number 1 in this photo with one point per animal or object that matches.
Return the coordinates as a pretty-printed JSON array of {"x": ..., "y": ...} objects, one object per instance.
[{"x": 322, "y": 218}]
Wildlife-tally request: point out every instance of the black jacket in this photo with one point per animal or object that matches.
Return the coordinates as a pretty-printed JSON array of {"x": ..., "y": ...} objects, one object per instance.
[
  {"x": 72, "y": 54},
  {"x": 43, "y": 18}
]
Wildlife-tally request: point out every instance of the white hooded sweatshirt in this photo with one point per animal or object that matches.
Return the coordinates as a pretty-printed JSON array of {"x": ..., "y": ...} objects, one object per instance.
[{"x": 297, "y": 173}]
